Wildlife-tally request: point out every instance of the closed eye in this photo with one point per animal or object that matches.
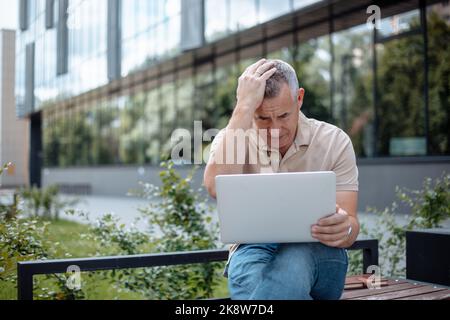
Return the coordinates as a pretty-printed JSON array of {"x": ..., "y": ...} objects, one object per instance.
[{"x": 284, "y": 115}]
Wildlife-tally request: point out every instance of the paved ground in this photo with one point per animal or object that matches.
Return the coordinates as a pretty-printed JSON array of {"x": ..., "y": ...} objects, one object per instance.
[{"x": 126, "y": 209}]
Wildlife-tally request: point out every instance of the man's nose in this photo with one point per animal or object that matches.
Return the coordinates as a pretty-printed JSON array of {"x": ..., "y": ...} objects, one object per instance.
[{"x": 275, "y": 129}]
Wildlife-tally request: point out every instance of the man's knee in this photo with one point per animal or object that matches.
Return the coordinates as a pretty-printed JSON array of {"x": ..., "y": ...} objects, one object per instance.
[
  {"x": 246, "y": 268},
  {"x": 290, "y": 275}
]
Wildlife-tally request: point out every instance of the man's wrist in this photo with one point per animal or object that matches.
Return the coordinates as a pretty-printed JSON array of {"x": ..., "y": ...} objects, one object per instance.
[
  {"x": 353, "y": 232},
  {"x": 243, "y": 108},
  {"x": 241, "y": 118}
]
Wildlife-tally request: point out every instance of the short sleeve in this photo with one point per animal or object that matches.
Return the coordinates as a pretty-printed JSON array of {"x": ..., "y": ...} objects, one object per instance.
[
  {"x": 345, "y": 165},
  {"x": 215, "y": 144}
]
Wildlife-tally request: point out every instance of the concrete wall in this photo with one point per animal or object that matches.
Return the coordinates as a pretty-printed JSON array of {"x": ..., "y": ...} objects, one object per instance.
[
  {"x": 14, "y": 133},
  {"x": 114, "y": 181},
  {"x": 378, "y": 177}
]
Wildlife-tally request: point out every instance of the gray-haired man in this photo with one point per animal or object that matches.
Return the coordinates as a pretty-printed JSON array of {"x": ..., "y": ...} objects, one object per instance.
[{"x": 269, "y": 98}]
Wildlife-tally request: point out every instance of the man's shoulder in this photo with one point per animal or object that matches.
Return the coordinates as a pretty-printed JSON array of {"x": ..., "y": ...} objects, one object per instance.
[{"x": 327, "y": 132}]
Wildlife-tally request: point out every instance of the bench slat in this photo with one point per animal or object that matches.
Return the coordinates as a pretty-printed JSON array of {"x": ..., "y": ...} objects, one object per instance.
[
  {"x": 403, "y": 293},
  {"x": 356, "y": 294},
  {"x": 438, "y": 295}
]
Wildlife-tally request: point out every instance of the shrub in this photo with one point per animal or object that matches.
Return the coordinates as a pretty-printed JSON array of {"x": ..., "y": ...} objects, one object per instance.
[
  {"x": 24, "y": 240},
  {"x": 179, "y": 220},
  {"x": 45, "y": 202},
  {"x": 429, "y": 207}
]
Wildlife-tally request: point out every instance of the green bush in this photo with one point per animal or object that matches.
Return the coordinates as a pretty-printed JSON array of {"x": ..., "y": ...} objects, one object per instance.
[
  {"x": 179, "y": 220},
  {"x": 45, "y": 202},
  {"x": 429, "y": 207},
  {"x": 24, "y": 240}
]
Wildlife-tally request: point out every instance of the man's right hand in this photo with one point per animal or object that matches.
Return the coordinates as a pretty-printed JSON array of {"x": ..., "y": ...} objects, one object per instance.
[
  {"x": 250, "y": 94},
  {"x": 252, "y": 84}
]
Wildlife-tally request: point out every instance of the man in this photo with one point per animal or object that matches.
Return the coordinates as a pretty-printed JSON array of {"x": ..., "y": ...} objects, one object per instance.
[{"x": 269, "y": 99}]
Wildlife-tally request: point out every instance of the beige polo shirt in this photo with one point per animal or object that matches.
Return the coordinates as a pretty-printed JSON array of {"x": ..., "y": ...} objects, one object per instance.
[{"x": 318, "y": 146}]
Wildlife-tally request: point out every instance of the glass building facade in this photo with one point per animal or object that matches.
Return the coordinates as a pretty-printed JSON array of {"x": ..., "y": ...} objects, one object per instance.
[{"x": 388, "y": 88}]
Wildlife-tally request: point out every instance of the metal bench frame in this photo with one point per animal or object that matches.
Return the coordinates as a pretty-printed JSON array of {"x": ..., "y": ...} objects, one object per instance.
[{"x": 27, "y": 269}]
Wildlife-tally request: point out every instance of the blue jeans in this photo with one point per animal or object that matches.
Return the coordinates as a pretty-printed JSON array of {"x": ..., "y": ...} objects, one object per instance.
[{"x": 298, "y": 271}]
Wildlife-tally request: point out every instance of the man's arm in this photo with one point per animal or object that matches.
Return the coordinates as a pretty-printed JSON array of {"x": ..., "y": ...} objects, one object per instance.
[
  {"x": 250, "y": 94},
  {"x": 333, "y": 230}
]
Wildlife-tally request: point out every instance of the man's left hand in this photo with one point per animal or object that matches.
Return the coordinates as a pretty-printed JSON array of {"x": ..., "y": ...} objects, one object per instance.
[{"x": 333, "y": 230}]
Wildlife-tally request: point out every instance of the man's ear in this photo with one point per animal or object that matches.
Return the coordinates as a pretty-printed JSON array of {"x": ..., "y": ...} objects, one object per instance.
[{"x": 300, "y": 96}]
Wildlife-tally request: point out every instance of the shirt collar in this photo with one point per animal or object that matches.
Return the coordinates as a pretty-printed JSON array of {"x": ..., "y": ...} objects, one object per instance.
[{"x": 303, "y": 137}]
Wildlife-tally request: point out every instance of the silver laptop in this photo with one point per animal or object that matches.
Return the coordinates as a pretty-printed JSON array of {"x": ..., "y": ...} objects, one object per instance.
[{"x": 273, "y": 207}]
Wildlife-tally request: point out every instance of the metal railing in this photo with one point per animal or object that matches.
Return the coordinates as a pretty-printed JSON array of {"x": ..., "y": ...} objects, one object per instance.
[{"x": 27, "y": 269}]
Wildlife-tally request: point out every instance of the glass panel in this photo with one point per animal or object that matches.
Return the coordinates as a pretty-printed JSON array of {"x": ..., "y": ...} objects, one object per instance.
[
  {"x": 313, "y": 69},
  {"x": 270, "y": 9},
  {"x": 303, "y": 3},
  {"x": 132, "y": 141},
  {"x": 399, "y": 23},
  {"x": 225, "y": 95},
  {"x": 401, "y": 130},
  {"x": 438, "y": 26},
  {"x": 152, "y": 126},
  {"x": 216, "y": 19},
  {"x": 243, "y": 14},
  {"x": 204, "y": 97},
  {"x": 185, "y": 106},
  {"x": 168, "y": 116},
  {"x": 353, "y": 106}
]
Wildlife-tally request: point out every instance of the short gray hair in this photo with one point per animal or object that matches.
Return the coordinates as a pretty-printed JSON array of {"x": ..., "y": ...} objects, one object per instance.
[{"x": 285, "y": 74}]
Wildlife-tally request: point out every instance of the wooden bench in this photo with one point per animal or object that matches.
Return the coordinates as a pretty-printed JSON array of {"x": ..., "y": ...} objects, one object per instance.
[
  {"x": 27, "y": 269},
  {"x": 394, "y": 289}
]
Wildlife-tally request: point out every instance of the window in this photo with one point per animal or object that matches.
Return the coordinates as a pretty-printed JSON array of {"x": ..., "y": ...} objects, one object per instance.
[
  {"x": 438, "y": 29},
  {"x": 216, "y": 19},
  {"x": 400, "y": 79},
  {"x": 353, "y": 104},
  {"x": 269, "y": 9}
]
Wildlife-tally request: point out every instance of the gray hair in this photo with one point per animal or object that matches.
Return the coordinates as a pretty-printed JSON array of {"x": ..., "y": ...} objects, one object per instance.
[{"x": 285, "y": 74}]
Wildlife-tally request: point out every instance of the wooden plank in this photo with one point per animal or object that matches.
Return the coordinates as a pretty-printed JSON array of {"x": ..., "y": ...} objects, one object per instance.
[
  {"x": 354, "y": 294},
  {"x": 360, "y": 282},
  {"x": 402, "y": 293},
  {"x": 360, "y": 286},
  {"x": 438, "y": 295},
  {"x": 391, "y": 282}
]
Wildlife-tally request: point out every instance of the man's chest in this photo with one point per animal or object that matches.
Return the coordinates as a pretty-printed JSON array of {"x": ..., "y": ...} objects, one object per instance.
[{"x": 303, "y": 159}]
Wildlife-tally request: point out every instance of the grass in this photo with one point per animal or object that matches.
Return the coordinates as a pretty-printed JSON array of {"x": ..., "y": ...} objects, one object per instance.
[{"x": 96, "y": 287}]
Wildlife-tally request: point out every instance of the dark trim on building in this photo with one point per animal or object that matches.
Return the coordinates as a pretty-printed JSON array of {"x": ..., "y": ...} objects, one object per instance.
[
  {"x": 62, "y": 39},
  {"x": 29, "y": 78},
  {"x": 35, "y": 159},
  {"x": 24, "y": 15},
  {"x": 114, "y": 54},
  {"x": 426, "y": 102},
  {"x": 49, "y": 14},
  {"x": 192, "y": 24}
]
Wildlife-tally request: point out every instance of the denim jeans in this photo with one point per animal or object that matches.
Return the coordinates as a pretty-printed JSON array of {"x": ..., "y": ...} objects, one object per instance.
[{"x": 298, "y": 271}]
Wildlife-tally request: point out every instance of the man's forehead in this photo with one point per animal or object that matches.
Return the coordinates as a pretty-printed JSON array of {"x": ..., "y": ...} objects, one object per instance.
[{"x": 272, "y": 106}]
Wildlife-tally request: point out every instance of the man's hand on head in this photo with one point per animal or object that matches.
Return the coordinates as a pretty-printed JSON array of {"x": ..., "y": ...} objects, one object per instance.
[
  {"x": 333, "y": 230},
  {"x": 252, "y": 84}
]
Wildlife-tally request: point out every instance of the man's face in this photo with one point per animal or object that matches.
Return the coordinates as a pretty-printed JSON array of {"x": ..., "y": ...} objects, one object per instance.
[{"x": 280, "y": 113}]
